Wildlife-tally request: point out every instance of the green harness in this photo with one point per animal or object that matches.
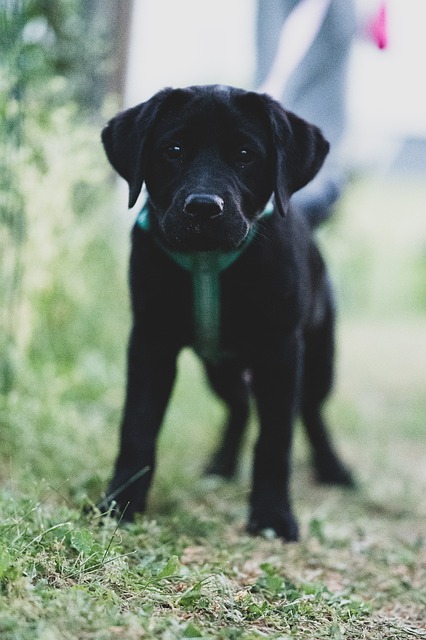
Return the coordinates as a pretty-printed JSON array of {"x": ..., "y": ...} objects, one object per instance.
[{"x": 205, "y": 268}]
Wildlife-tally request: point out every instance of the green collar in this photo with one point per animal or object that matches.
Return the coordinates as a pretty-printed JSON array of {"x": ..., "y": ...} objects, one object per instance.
[
  {"x": 219, "y": 260},
  {"x": 205, "y": 268}
]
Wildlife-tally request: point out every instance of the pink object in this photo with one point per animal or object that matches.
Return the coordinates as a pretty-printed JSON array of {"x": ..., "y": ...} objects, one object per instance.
[{"x": 377, "y": 28}]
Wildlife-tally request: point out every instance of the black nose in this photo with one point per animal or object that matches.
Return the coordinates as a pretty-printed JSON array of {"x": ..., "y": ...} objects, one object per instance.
[{"x": 203, "y": 205}]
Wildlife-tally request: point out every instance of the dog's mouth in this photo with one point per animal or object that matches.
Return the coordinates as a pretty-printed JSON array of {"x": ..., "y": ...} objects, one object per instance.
[
  {"x": 195, "y": 235},
  {"x": 199, "y": 242}
]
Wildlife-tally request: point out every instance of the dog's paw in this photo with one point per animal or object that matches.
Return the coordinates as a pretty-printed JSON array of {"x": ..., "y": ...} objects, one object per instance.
[
  {"x": 334, "y": 473},
  {"x": 123, "y": 512},
  {"x": 221, "y": 466},
  {"x": 281, "y": 525},
  {"x": 126, "y": 494},
  {"x": 109, "y": 508}
]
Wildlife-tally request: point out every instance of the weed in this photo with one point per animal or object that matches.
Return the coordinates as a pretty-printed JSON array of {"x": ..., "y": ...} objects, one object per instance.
[{"x": 187, "y": 569}]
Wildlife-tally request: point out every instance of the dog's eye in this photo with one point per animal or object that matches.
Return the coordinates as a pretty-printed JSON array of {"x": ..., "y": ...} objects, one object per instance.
[
  {"x": 173, "y": 152},
  {"x": 244, "y": 156}
]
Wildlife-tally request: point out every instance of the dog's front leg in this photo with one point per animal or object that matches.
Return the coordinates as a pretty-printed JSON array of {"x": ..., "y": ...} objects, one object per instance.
[
  {"x": 276, "y": 378},
  {"x": 150, "y": 377}
]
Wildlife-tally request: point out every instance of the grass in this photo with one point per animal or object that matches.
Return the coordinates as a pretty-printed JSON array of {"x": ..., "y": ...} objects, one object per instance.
[{"x": 187, "y": 569}]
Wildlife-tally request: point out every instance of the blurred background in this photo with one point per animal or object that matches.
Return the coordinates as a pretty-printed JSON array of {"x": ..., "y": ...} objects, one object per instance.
[
  {"x": 66, "y": 66},
  {"x": 191, "y": 42}
]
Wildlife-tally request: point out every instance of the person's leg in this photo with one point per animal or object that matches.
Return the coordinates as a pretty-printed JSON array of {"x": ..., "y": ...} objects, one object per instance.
[
  {"x": 317, "y": 92},
  {"x": 271, "y": 15}
]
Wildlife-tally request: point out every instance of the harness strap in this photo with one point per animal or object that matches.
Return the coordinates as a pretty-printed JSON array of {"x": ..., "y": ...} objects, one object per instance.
[
  {"x": 206, "y": 304},
  {"x": 205, "y": 268}
]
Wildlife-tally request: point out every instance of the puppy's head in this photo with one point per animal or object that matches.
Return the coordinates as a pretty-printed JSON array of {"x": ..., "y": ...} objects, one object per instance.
[{"x": 211, "y": 157}]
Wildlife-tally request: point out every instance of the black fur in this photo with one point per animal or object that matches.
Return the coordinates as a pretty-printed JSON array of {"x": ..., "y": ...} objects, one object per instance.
[{"x": 211, "y": 158}]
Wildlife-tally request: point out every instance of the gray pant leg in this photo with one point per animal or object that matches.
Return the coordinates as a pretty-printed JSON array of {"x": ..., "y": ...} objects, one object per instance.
[{"x": 316, "y": 90}]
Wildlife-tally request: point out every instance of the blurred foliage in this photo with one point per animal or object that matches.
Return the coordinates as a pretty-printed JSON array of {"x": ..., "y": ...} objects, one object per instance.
[
  {"x": 56, "y": 64},
  {"x": 75, "y": 39}
]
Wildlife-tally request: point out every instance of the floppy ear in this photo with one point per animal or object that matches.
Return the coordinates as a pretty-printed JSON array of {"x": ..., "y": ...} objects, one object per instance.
[
  {"x": 300, "y": 151},
  {"x": 124, "y": 139}
]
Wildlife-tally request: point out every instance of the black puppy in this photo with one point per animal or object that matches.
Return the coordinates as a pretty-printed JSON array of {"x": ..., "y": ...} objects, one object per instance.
[{"x": 211, "y": 158}]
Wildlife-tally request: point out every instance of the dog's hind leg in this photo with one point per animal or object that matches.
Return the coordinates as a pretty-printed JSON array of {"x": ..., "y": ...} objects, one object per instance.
[
  {"x": 317, "y": 383},
  {"x": 228, "y": 381}
]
